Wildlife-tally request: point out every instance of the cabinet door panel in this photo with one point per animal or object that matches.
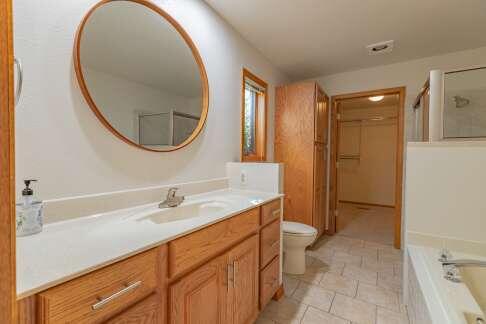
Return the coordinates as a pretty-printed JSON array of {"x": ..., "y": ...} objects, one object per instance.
[
  {"x": 243, "y": 295},
  {"x": 200, "y": 297}
]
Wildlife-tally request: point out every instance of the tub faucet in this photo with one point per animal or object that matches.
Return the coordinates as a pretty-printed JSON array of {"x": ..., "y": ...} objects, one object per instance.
[
  {"x": 451, "y": 268},
  {"x": 465, "y": 263},
  {"x": 172, "y": 200}
]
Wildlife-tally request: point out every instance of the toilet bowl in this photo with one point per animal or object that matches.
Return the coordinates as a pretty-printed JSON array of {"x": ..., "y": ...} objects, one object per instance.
[{"x": 296, "y": 237}]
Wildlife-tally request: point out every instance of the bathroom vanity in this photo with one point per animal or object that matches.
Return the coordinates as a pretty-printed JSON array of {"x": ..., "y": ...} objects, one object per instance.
[{"x": 216, "y": 260}]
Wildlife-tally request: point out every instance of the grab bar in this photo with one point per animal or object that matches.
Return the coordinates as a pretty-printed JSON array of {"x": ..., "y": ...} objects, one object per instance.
[{"x": 20, "y": 80}]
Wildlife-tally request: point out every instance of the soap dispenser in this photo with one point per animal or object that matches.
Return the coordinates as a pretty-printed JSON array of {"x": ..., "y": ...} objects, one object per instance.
[{"x": 28, "y": 212}]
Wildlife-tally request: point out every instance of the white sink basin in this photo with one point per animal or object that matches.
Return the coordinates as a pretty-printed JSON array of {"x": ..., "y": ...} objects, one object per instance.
[{"x": 183, "y": 212}]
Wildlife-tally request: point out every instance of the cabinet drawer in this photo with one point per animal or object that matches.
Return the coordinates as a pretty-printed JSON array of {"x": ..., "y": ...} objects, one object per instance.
[
  {"x": 101, "y": 294},
  {"x": 270, "y": 211},
  {"x": 269, "y": 242},
  {"x": 269, "y": 281},
  {"x": 145, "y": 312},
  {"x": 192, "y": 249}
]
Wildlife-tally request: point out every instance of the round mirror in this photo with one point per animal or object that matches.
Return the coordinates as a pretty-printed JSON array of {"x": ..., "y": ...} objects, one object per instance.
[{"x": 141, "y": 74}]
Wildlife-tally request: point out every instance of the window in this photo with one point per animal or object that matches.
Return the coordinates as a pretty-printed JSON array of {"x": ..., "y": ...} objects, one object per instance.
[{"x": 254, "y": 105}]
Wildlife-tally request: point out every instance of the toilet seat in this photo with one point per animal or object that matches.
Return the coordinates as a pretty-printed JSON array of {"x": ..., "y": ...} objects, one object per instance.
[{"x": 298, "y": 229}]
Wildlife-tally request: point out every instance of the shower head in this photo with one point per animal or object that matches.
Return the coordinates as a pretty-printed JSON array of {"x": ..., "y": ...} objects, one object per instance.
[{"x": 461, "y": 102}]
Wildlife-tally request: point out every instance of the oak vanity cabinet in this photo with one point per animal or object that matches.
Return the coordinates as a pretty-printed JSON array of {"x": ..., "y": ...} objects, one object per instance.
[{"x": 224, "y": 273}]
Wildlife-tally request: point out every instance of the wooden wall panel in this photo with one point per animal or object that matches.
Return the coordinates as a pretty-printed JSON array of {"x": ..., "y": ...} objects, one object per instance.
[
  {"x": 294, "y": 146},
  {"x": 8, "y": 304}
]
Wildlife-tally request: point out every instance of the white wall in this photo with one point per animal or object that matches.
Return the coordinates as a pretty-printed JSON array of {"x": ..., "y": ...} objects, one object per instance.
[
  {"x": 121, "y": 101},
  {"x": 371, "y": 179},
  {"x": 445, "y": 190},
  {"x": 60, "y": 141},
  {"x": 411, "y": 74}
]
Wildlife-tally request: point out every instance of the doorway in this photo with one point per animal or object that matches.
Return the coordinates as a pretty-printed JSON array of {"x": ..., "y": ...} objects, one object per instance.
[{"x": 367, "y": 136}]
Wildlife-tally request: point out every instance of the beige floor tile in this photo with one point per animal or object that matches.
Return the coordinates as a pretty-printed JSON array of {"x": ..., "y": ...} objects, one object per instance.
[
  {"x": 390, "y": 255},
  {"x": 316, "y": 316},
  {"x": 385, "y": 316},
  {"x": 262, "y": 320},
  {"x": 360, "y": 274},
  {"x": 315, "y": 296},
  {"x": 378, "y": 246},
  {"x": 378, "y": 266},
  {"x": 284, "y": 311},
  {"x": 370, "y": 253},
  {"x": 339, "y": 284},
  {"x": 346, "y": 258},
  {"x": 398, "y": 269},
  {"x": 290, "y": 284},
  {"x": 378, "y": 296},
  {"x": 354, "y": 310},
  {"x": 391, "y": 282},
  {"x": 368, "y": 223}
]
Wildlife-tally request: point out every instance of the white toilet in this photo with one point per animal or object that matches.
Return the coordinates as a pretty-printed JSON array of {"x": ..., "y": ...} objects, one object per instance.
[{"x": 296, "y": 237}]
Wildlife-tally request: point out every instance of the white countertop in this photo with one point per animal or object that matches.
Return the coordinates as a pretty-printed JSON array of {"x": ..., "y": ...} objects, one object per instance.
[{"x": 68, "y": 249}]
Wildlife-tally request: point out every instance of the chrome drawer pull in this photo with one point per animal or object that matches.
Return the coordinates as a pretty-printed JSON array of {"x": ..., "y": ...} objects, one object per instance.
[
  {"x": 20, "y": 79},
  {"x": 103, "y": 301},
  {"x": 275, "y": 212}
]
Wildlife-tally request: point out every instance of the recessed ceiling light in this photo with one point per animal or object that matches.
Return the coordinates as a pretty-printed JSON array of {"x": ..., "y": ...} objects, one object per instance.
[{"x": 376, "y": 98}]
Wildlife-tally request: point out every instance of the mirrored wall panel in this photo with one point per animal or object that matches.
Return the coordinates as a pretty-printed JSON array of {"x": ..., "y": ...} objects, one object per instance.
[
  {"x": 141, "y": 75},
  {"x": 465, "y": 104}
]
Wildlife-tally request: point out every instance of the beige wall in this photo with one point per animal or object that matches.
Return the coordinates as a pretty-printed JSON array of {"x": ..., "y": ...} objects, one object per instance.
[
  {"x": 371, "y": 179},
  {"x": 60, "y": 141},
  {"x": 445, "y": 196}
]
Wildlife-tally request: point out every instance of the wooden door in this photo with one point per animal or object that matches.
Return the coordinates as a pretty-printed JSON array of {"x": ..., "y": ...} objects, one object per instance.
[
  {"x": 319, "y": 188},
  {"x": 8, "y": 296},
  {"x": 201, "y": 296},
  {"x": 242, "y": 305},
  {"x": 294, "y": 146}
]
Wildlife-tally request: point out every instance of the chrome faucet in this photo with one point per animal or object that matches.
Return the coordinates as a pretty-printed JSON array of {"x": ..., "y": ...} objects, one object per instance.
[
  {"x": 465, "y": 263},
  {"x": 451, "y": 268},
  {"x": 172, "y": 200}
]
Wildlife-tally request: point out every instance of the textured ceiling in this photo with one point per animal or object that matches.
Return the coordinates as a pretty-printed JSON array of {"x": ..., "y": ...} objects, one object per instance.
[{"x": 309, "y": 38}]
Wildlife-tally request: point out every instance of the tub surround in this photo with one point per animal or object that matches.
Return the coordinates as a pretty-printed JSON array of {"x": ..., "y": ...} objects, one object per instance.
[
  {"x": 433, "y": 299},
  {"x": 70, "y": 248}
]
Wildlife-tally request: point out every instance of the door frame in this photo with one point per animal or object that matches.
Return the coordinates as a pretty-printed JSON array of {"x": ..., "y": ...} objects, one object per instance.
[
  {"x": 334, "y": 138},
  {"x": 8, "y": 295}
]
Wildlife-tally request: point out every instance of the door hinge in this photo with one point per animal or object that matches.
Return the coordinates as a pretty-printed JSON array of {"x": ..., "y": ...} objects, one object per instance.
[
  {"x": 338, "y": 116},
  {"x": 336, "y": 212},
  {"x": 337, "y": 165}
]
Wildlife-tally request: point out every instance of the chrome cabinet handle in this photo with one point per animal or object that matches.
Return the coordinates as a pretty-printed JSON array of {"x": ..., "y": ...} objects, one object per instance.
[
  {"x": 276, "y": 211},
  {"x": 20, "y": 80},
  {"x": 103, "y": 301}
]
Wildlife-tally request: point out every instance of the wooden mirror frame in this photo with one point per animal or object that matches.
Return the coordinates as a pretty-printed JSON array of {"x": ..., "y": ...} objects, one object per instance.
[{"x": 189, "y": 42}]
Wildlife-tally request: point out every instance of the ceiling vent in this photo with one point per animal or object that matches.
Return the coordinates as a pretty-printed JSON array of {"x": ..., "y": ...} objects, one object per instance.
[{"x": 380, "y": 48}]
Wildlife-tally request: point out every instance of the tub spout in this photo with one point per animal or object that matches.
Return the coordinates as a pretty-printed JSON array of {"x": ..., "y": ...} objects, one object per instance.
[{"x": 465, "y": 263}]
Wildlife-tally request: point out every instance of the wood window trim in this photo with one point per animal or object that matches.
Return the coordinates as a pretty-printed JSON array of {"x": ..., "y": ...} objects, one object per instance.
[
  {"x": 333, "y": 196},
  {"x": 8, "y": 295},
  {"x": 261, "y": 120}
]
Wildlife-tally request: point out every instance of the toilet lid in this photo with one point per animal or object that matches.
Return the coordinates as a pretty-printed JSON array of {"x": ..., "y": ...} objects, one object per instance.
[{"x": 298, "y": 228}]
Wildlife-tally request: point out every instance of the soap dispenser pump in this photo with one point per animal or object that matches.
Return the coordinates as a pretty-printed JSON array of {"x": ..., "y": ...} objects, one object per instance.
[{"x": 28, "y": 212}]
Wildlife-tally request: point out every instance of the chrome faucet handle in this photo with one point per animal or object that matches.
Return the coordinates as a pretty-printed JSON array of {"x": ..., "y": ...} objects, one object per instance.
[
  {"x": 451, "y": 273},
  {"x": 171, "y": 193},
  {"x": 445, "y": 255}
]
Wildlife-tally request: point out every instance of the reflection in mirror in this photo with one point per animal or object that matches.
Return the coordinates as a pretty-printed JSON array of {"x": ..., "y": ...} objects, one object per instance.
[
  {"x": 143, "y": 78},
  {"x": 465, "y": 104}
]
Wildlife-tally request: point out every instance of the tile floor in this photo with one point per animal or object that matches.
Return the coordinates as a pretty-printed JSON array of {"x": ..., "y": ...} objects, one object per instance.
[
  {"x": 369, "y": 223},
  {"x": 348, "y": 281}
]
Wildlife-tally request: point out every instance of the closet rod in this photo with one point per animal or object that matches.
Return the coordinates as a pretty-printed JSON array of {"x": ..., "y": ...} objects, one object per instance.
[{"x": 368, "y": 119}]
